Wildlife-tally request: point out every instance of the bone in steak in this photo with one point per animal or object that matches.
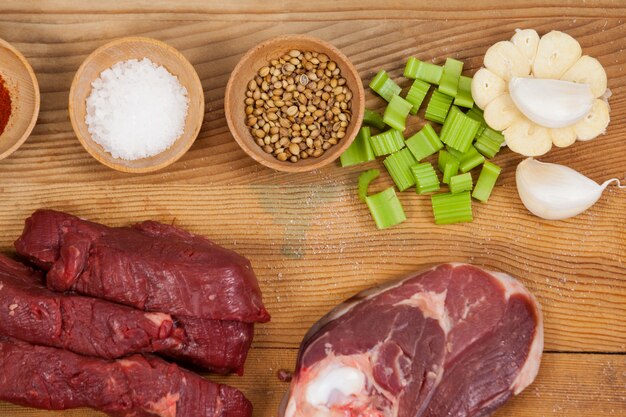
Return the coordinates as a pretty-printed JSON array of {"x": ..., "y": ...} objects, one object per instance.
[
  {"x": 149, "y": 266},
  {"x": 137, "y": 386},
  {"x": 32, "y": 313},
  {"x": 454, "y": 341}
]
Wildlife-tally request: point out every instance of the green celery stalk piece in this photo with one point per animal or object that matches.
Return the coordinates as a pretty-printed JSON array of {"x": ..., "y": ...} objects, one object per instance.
[
  {"x": 384, "y": 86},
  {"x": 451, "y": 208},
  {"x": 477, "y": 114},
  {"x": 387, "y": 142},
  {"x": 360, "y": 150},
  {"x": 424, "y": 143},
  {"x": 442, "y": 159},
  {"x": 463, "y": 96},
  {"x": 450, "y": 169},
  {"x": 458, "y": 130},
  {"x": 364, "y": 182},
  {"x": 467, "y": 160},
  {"x": 438, "y": 107},
  {"x": 461, "y": 182},
  {"x": 489, "y": 142},
  {"x": 425, "y": 71},
  {"x": 373, "y": 119},
  {"x": 386, "y": 208},
  {"x": 396, "y": 113},
  {"x": 450, "y": 78},
  {"x": 399, "y": 165},
  {"x": 417, "y": 94},
  {"x": 486, "y": 181},
  {"x": 426, "y": 179}
]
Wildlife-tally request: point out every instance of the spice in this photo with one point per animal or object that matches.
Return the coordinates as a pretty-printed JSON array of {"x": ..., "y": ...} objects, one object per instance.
[
  {"x": 298, "y": 106},
  {"x": 136, "y": 109},
  {"x": 5, "y": 105}
]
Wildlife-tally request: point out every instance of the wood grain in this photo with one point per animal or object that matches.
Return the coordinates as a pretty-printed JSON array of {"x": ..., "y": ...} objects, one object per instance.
[{"x": 311, "y": 242}]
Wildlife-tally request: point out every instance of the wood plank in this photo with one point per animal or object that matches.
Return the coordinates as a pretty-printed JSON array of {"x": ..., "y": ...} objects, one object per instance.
[
  {"x": 313, "y": 246},
  {"x": 567, "y": 386}
]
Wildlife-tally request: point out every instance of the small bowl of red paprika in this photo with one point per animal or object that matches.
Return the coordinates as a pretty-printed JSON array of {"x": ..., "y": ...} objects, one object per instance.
[{"x": 19, "y": 99}]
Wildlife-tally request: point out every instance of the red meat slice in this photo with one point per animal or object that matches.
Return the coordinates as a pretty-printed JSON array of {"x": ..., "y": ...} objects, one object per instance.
[
  {"x": 453, "y": 341},
  {"x": 149, "y": 266},
  {"x": 137, "y": 386}
]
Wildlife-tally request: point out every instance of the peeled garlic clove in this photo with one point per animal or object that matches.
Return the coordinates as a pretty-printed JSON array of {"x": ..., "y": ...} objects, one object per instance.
[
  {"x": 588, "y": 70},
  {"x": 486, "y": 86},
  {"x": 556, "y": 53},
  {"x": 528, "y": 139},
  {"x": 506, "y": 61},
  {"x": 551, "y": 103},
  {"x": 501, "y": 112},
  {"x": 527, "y": 41},
  {"x": 555, "y": 192},
  {"x": 595, "y": 122},
  {"x": 563, "y": 137}
]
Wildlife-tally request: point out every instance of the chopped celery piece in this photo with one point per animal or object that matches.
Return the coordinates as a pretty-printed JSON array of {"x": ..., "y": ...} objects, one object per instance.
[
  {"x": 387, "y": 142},
  {"x": 461, "y": 182},
  {"x": 450, "y": 169},
  {"x": 359, "y": 151},
  {"x": 477, "y": 114},
  {"x": 424, "y": 143},
  {"x": 399, "y": 166},
  {"x": 486, "y": 180},
  {"x": 467, "y": 160},
  {"x": 449, "y": 83},
  {"x": 489, "y": 143},
  {"x": 384, "y": 86},
  {"x": 438, "y": 107},
  {"x": 420, "y": 70},
  {"x": 452, "y": 208},
  {"x": 458, "y": 130},
  {"x": 374, "y": 119},
  {"x": 364, "y": 181},
  {"x": 417, "y": 94},
  {"x": 425, "y": 178},
  {"x": 442, "y": 159},
  {"x": 463, "y": 96},
  {"x": 396, "y": 112},
  {"x": 386, "y": 208}
]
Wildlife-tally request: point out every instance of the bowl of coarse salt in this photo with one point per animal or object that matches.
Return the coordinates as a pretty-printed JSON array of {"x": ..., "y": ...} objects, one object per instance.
[{"x": 136, "y": 104}]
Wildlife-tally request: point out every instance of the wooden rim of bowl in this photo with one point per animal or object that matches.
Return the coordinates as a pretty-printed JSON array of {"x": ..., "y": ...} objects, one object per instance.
[
  {"x": 37, "y": 97},
  {"x": 76, "y": 79},
  {"x": 338, "y": 149}
]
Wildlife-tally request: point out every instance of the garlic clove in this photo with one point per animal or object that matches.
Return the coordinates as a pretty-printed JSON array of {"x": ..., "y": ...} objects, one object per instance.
[
  {"x": 594, "y": 123},
  {"x": 556, "y": 53},
  {"x": 506, "y": 61},
  {"x": 501, "y": 113},
  {"x": 527, "y": 40},
  {"x": 486, "y": 86},
  {"x": 555, "y": 192},
  {"x": 588, "y": 70},
  {"x": 527, "y": 138},
  {"x": 551, "y": 103},
  {"x": 563, "y": 136}
]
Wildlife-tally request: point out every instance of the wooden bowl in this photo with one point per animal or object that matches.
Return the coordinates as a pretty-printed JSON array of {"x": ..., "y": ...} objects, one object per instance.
[
  {"x": 260, "y": 56},
  {"x": 136, "y": 48},
  {"x": 20, "y": 81}
]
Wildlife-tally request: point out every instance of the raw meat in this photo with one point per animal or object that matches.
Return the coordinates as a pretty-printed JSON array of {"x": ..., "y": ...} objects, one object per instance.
[
  {"x": 454, "y": 341},
  {"x": 149, "y": 266},
  {"x": 137, "y": 386},
  {"x": 32, "y": 313}
]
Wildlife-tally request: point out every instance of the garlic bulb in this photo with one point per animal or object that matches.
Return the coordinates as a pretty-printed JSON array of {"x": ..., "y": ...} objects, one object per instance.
[{"x": 556, "y": 192}]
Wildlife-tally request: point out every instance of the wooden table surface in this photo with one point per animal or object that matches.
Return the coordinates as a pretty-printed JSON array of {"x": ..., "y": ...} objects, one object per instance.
[{"x": 310, "y": 239}]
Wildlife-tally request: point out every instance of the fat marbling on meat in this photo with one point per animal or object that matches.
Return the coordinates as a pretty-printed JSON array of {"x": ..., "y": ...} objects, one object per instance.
[{"x": 455, "y": 341}]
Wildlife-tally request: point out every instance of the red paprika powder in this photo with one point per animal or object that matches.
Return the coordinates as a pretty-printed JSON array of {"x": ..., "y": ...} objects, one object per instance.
[{"x": 5, "y": 106}]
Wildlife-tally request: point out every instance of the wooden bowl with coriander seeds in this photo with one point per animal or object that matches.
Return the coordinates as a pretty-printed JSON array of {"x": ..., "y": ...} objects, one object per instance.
[
  {"x": 159, "y": 53},
  {"x": 294, "y": 103}
]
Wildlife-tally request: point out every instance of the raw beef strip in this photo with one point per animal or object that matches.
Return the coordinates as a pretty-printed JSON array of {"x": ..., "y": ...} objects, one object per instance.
[
  {"x": 454, "y": 341},
  {"x": 137, "y": 386},
  {"x": 150, "y": 266}
]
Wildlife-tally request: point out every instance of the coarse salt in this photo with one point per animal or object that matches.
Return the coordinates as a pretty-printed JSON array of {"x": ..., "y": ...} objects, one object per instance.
[{"x": 136, "y": 109}]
